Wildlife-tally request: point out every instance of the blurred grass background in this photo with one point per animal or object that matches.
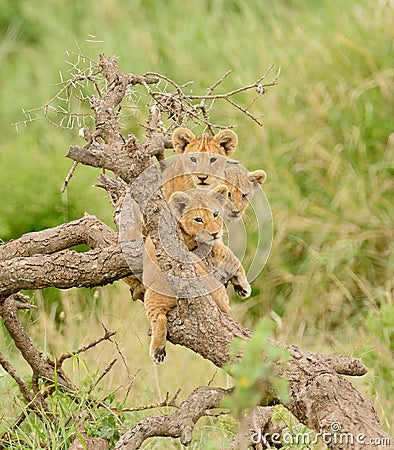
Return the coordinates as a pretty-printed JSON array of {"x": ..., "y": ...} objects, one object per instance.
[{"x": 327, "y": 145}]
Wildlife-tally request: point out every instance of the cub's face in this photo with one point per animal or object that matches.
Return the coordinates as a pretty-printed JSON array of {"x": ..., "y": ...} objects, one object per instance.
[
  {"x": 205, "y": 169},
  {"x": 200, "y": 212},
  {"x": 241, "y": 187},
  {"x": 204, "y": 157}
]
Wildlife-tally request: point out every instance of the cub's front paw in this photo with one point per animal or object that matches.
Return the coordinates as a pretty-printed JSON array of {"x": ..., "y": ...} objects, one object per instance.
[
  {"x": 242, "y": 289},
  {"x": 158, "y": 354}
]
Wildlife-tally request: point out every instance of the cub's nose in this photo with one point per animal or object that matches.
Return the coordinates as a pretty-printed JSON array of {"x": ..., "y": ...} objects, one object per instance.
[
  {"x": 215, "y": 235},
  {"x": 202, "y": 178},
  {"x": 235, "y": 212}
]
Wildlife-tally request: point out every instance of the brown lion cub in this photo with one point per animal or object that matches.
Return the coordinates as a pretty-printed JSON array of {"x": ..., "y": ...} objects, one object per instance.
[
  {"x": 201, "y": 164},
  {"x": 200, "y": 216},
  {"x": 241, "y": 187},
  {"x": 201, "y": 160}
]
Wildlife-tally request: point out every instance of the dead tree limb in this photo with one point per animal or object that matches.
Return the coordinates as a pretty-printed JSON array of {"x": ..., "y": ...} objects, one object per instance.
[
  {"x": 10, "y": 369},
  {"x": 41, "y": 367},
  {"x": 38, "y": 260},
  {"x": 179, "y": 424},
  {"x": 63, "y": 270},
  {"x": 318, "y": 392},
  {"x": 88, "y": 230},
  {"x": 320, "y": 396}
]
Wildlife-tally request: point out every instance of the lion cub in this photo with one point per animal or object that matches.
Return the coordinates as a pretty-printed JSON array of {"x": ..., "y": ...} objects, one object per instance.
[
  {"x": 201, "y": 160},
  {"x": 199, "y": 214},
  {"x": 201, "y": 164},
  {"x": 241, "y": 187}
]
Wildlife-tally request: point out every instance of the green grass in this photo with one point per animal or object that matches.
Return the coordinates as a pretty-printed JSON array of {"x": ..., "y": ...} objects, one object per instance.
[{"x": 327, "y": 145}]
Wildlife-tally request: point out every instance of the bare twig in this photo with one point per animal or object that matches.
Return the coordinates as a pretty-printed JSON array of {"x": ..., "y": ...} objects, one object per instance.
[
  {"x": 103, "y": 374},
  {"x": 256, "y": 85},
  {"x": 9, "y": 368},
  {"x": 68, "y": 177},
  {"x": 123, "y": 358},
  {"x": 106, "y": 337},
  {"x": 166, "y": 402},
  {"x": 41, "y": 368},
  {"x": 116, "y": 189},
  {"x": 245, "y": 111},
  {"x": 202, "y": 106}
]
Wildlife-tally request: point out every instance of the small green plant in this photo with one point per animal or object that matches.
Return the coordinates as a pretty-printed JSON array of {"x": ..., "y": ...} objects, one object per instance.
[
  {"x": 295, "y": 435},
  {"x": 227, "y": 424},
  {"x": 65, "y": 415},
  {"x": 257, "y": 377}
]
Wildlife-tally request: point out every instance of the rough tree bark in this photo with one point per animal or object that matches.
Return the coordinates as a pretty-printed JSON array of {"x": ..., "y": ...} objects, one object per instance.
[{"x": 320, "y": 396}]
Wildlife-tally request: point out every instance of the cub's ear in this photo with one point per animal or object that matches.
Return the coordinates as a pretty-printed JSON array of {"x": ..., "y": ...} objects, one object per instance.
[
  {"x": 181, "y": 137},
  {"x": 257, "y": 178},
  {"x": 220, "y": 193},
  {"x": 178, "y": 202},
  {"x": 228, "y": 140}
]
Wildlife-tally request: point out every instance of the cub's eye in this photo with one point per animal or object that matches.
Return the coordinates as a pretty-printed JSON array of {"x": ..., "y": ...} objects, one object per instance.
[
  {"x": 216, "y": 214},
  {"x": 198, "y": 219},
  {"x": 244, "y": 196},
  {"x": 193, "y": 159},
  {"x": 212, "y": 160},
  {"x": 229, "y": 195}
]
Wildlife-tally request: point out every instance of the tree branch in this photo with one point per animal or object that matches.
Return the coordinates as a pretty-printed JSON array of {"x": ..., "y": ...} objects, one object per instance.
[
  {"x": 68, "y": 269},
  {"x": 106, "y": 337},
  {"x": 317, "y": 391},
  {"x": 10, "y": 369},
  {"x": 40, "y": 366},
  {"x": 179, "y": 424},
  {"x": 88, "y": 230}
]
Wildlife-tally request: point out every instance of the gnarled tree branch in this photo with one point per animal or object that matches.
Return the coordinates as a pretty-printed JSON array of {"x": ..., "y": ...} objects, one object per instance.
[
  {"x": 63, "y": 270},
  {"x": 318, "y": 391},
  {"x": 179, "y": 424},
  {"x": 41, "y": 367},
  {"x": 88, "y": 230}
]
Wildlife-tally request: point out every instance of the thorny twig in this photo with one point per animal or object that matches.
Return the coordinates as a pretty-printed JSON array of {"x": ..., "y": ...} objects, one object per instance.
[
  {"x": 106, "y": 337},
  {"x": 201, "y": 105},
  {"x": 173, "y": 100},
  {"x": 103, "y": 374},
  {"x": 166, "y": 402}
]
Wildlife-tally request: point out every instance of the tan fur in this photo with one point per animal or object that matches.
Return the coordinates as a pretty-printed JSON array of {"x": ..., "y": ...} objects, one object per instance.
[
  {"x": 201, "y": 160},
  {"x": 241, "y": 187},
  {"x": 199, "y": 214},
  {"x": 205, "y": 205},
  {"x": 211, "y": 231}
]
